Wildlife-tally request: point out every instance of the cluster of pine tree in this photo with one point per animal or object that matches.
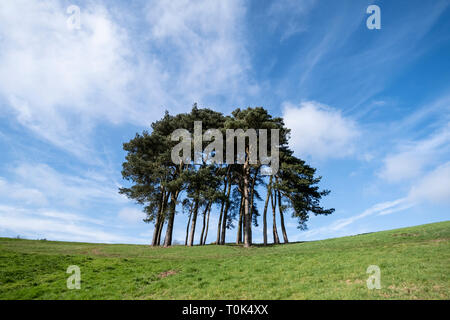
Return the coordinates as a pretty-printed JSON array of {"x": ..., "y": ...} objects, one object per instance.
[{"x": 231, "y": 191}]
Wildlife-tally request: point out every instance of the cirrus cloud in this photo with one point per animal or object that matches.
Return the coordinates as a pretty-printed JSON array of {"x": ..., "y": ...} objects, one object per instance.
[
  {"x": 433, "y": 187},
  {"x": 61, "y": 83}
]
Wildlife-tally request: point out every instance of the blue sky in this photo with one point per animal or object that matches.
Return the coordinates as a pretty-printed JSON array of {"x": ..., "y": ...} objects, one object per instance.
[{"x": 368, "y": 108}]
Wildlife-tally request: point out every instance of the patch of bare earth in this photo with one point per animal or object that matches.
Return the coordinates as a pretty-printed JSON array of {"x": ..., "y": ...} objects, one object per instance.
[
  {"x": 405, "y": 235},
  {"x": 99, "y": 252},
  {"x": 408, "y": 290},
  {"x": 167, "y": 273},
  {"x": 357, "y": 281},
  {"x": 440, "y": 240}
]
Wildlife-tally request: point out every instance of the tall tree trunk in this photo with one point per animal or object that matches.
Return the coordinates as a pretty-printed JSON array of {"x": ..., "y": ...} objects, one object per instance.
[
  {"x": 193, "y": 222},
  {"x": 247, "y": 221},
  {"x": 189, "y": 222},
  {"x": 204, "y": 223},
  {"x": 219, "y": 224},
  {"x": 156, "y": 230},
  {"x": 252, "y": 194},
  {"x": 239, "y": 231},
  {"x": 242, "y": 226},
  {"x": 207, "y": 224},
  {"x": 266, "y": 204},
  {"x": 169, "y": 231},
  {"x": 163, "y": 219},
  {"x": 276, "y": 240},
  {"x": 158, "y": 219},
  {"x": 160, "y": 228},
  {"x": 283, "y": 229},
  {"x": 225, "y": 213}
]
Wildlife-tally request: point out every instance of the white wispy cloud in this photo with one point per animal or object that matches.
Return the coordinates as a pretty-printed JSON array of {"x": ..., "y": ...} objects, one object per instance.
[
  {"x": 60, "y": 83},
  {"x": 131, "y": 215},
  {"x": 434, "y": 187},
  {"x": 431, "y": 188},
  {"x": 416, "y": 156},
  {"x": 59, "y": 80},
  {"x": 328, "y": 66},
  {"x": 204, "y": 47},
  {"x": 41, "y": 184},
  {"x": 18, "y": 192},
  {"x": 345, "y": 226},
  {"x": 288, "y": 17},
  {"x": 56, "y": 225}
]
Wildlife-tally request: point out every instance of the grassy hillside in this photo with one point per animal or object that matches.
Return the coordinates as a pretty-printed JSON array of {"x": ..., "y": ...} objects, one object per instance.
[{"x": 414, "y": 262}]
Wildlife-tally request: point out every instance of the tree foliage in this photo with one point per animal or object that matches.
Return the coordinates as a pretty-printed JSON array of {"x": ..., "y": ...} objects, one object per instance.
[{"x": 230, "y": 191}]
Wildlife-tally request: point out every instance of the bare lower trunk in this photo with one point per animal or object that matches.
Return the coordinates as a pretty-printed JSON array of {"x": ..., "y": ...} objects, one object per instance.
[
  {"x": 283, "y": 229},
  {"x": 204, "y": 223},
  {"x": 163, "y": 219},
  {"x": 247, "y": 221},
  {"x": 219, "y": 224},
  {"x": 239, "y": 231},
  {"x": 170, "y": 221},
  {"x": 266, "y": 205},
  {"x": 225, "y": 214},
  {"x": 207, "y": 225},
  {"x": 193, "y": 223},
  {"x": 189, "y": 222},
  {"x": 276, "y": 240},
  {"x": 159, "y": 217},
  {"x": 155, "y": 231},
  {"x": 242, "y": 227},
  {"x": 160, "y": 228},
  {"x": 252, "y": 194}
]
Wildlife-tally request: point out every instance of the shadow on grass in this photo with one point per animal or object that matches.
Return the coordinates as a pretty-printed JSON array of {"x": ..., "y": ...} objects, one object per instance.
[{"x": 257, "y": 245}]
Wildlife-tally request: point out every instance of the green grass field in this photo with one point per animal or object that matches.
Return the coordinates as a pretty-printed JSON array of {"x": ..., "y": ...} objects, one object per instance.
[{"x": 414, "y": 263}]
